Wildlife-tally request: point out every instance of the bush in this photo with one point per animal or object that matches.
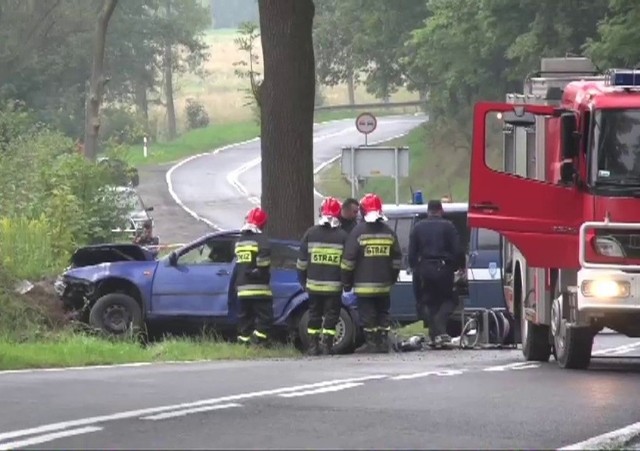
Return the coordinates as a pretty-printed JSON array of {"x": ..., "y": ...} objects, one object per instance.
[
  {"x": 121, "y": 126},
  {"x": 197, "y": 116}
]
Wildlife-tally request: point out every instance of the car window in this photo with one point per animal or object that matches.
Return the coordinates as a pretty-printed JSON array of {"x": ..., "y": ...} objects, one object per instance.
[
  {"x": 488, "y": 240},
  {"x": 212, "y": 252},
  {"x": 283, "y": 255}
]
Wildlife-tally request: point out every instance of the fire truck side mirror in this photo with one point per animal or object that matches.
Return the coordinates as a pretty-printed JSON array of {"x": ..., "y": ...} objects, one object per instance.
[
  {"x": 569, "y": 135},
  {"x": 567, "y": 173}
]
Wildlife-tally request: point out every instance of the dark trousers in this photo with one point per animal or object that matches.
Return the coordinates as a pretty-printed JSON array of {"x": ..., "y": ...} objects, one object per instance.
[
  {"x": 327, "y": 305},
  {"x": 374, "y": 312},
  {"x": 438, "y": 297},
  {"x": 418, "y": 296},
  {"x": 255, "y": 317}
]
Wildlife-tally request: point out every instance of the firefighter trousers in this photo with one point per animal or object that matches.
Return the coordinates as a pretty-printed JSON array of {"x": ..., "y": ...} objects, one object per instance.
[
  {"x": 255, "y": 318},
  {"x": 327, "y": 305},
  {"x": 374, "y": 312},
  {"x": 438, "y": 297}
]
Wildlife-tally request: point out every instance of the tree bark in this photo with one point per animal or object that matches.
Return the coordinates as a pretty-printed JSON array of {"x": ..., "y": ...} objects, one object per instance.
[
  {"x": 351, "y": 89},
  {"x": 172, "y": 132},
  {"x": 97, "y": 82},
  {"x": 287, "y": 102}
]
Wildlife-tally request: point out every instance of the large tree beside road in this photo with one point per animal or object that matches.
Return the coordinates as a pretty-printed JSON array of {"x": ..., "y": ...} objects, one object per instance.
[{"x": 287, "y": 102}]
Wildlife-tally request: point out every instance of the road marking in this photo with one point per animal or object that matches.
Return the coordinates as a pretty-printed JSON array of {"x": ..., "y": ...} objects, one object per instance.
[
  {"x": 185, "y": 412},
  {"x": 513, "y": 366},
  {"x": 609, "y": 440},
  {"x": 78, "y": 368},
  {"x": 48, "y": 437},
  {"x": 153, "y": 410},
  {"x": 332, "y": 388},
  {"x": 618, "y": 350},
  {"x": 404, "y": 377}
]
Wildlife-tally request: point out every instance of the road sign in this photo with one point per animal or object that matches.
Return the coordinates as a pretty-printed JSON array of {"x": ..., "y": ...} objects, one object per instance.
[{"x": 366, "y": 123}]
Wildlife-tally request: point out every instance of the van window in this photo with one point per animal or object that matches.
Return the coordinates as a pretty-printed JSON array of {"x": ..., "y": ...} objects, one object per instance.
[
  {"x": 459, "y": 219},
  {"x": 403, "y": 229},
  {"x": 488, "y": 240}
]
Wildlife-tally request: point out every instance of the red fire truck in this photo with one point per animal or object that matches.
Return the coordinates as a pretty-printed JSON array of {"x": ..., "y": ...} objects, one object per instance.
[{"x": 565, "y": 196}]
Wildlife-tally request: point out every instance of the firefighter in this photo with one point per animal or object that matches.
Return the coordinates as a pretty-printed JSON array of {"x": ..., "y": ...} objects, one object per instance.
[
  {"x": 252, "y": 277},
  {"x": 319, "y": 273},
  {"x": 371, "y": 265},
  {"x": 434, "y": 254}
]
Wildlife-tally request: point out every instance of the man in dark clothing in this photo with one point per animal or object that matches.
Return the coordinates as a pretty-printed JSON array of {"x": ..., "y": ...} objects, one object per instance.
[
  {"x": 252, "y": 277},
  {"x": 145, "y": 237},
  {"x": 371, "y": 264},
  {"x": 318, "y": 266},
  {"x": 434, "y": 253},
  {"x": 349, "y": 214}
]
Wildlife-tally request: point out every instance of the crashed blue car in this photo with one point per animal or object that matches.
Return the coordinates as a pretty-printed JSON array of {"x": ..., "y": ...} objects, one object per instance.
[{"x": 117, "y": 287}]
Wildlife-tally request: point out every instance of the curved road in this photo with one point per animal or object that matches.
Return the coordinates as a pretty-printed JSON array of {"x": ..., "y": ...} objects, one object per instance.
[
  {"x": 458, "y": 399},
  {"x": 220, "y": 187}
]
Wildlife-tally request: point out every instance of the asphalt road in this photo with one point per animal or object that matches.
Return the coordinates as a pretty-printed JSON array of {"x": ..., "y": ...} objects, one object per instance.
[
  {"x": 220, "y": 188},
  {"x": 431, "y": 399}
]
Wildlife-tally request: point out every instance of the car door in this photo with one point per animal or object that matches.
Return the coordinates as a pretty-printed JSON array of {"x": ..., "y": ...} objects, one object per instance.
[
  {"x": 403, "y": 303},
  {"x": 484, "y": 270},
  {"x": 534, "y": 215},
  {"x": 284, "y": 276},
  {"x": 198, "y": 284}
]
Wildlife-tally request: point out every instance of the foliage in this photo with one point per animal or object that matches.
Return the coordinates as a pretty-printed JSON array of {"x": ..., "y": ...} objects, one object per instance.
[
  {"x": 247, "y": 70},
  {"x": 197, "y": 116},
  {"x": 121, "y": 126}
]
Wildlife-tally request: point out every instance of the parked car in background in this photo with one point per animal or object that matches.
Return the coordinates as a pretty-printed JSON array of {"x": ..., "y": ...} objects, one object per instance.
[{"x": 137, "y": 212}]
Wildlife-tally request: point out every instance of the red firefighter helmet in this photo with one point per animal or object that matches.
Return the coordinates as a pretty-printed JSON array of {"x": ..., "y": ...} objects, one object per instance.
[
  {"x": 257, "y": 217},
  {"x": 331, "y": 207},
  {"x": 371, "y": 208}
]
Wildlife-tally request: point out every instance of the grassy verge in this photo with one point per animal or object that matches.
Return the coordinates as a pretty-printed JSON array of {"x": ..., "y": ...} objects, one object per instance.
[
  {"x": 435, "y": 168},
  {"x": 202, "y": 140},
  {"x": 412, "y": 329},
  {"x": 69, "y": 349}
]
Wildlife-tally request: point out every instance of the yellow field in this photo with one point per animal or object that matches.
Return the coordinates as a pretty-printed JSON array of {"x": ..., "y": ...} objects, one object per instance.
[{"x": 220, "y": 90}]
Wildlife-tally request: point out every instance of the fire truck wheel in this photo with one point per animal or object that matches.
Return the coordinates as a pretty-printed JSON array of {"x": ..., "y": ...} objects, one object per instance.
[
  {"x": 535, "y": 341},
  {"x": 572, "y": 345}
]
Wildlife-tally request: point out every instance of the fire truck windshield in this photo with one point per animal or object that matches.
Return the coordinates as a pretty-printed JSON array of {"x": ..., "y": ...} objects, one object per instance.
[{"x": 616, "y": 148}]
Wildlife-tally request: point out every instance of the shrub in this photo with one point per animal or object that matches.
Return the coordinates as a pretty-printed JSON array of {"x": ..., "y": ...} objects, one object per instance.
[
  {"x": 197, "y": 116},
  {"x": 121, "y": 126}
]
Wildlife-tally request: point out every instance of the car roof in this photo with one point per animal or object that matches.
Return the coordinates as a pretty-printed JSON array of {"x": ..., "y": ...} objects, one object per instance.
[{"x": 395, "y": 211}]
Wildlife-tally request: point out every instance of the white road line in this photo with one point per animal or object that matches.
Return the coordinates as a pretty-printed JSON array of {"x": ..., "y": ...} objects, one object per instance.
[
  {"x": 317, "y": 391},
  {"x": 78, "y": 368},
  {"x": 185, "y": 412},
  {"x": 404, "y": 377},
  {"x": 618, "y": 350},
  {"x": 48, "y": 437},
  {"x": 153, "y": 410},
  {"x": 610, "y": 440},
  {"x": 513, "y": 366}
]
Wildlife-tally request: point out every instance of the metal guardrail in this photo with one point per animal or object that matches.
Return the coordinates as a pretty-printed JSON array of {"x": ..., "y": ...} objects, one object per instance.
[{"x": 360, "y": 106}]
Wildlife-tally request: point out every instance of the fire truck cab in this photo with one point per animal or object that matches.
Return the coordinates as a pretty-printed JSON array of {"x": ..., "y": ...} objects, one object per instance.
[{"x": 556, "y": 171}]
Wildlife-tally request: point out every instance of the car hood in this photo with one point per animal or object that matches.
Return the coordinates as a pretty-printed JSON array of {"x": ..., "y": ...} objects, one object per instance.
[{"x": 109, "y": 253}]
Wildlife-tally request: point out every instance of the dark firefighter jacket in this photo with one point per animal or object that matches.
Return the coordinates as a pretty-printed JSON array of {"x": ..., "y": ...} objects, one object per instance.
[
  {"x": 253, "y": 264},
  {"x": 372, "y": 259},
  {"x": 435, "y": 238},
  {"x": 319, "y": 261}
]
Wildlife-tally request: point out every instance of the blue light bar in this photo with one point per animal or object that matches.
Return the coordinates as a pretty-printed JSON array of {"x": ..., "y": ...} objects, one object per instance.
[
  {"x": 417, "y": 198},
  {"x": 624, "y": 78}
]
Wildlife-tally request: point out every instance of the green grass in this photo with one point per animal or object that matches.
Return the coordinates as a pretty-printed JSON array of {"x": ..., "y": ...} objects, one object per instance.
[
  {"x": 412, "y": 329},
  {"x": 205, "y": 139},
  {"x": 82, "y": 350},
  {"x": 435, "y": 168}
]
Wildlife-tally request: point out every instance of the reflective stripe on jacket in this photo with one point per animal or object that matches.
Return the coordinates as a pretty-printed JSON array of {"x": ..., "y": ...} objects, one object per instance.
[
  {"x": 319, "y": 260},
  {"x": 372, "y": 259},
  {"x": 253, "y": 265}
]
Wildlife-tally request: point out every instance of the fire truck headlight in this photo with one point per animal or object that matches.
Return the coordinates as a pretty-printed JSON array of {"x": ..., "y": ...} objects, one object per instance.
[
  {"x": 606, "y": 288},
  {"x": 609, "y": 247}
]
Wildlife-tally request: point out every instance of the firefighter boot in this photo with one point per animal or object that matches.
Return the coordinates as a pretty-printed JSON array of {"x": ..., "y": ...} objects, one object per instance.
[
  {"x": 382, "y": 342},
  {"x": 327, "y": 344},
  {"x": 314, "y": 345},
  {"x": 369, "y": 346}
]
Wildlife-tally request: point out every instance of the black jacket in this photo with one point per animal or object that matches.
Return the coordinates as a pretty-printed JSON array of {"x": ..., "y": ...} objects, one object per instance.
[
  {"x": 372, "y": 259},
  {"x": 434, "y": 238},
  {"x": 253, "y": 265},
  {"x": 348, "y": 224},
  {"x": 319, "y": 261}
]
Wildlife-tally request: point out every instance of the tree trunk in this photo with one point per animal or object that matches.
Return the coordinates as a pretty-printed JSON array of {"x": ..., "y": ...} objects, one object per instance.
[
  {"x": 287, "y": 102},
  {"x": 168, "y": 85},
  {"x": 142, "y": 102},
  {"x": 98, "y": 81},
  {"x": 351, "y": 89}
]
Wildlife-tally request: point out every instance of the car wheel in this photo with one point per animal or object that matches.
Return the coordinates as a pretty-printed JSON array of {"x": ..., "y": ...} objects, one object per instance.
[
  {"x": 345, "y": 331},
  {"x": 116, "y": 314}
]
